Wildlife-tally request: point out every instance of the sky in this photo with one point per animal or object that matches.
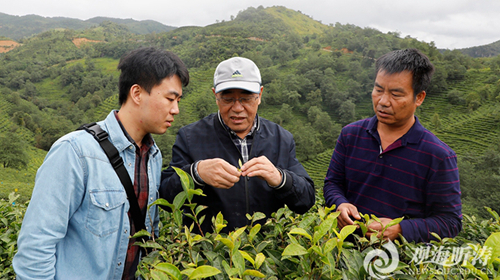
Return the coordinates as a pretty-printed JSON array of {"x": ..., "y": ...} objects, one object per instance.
[{"x": 450, "y": 24}]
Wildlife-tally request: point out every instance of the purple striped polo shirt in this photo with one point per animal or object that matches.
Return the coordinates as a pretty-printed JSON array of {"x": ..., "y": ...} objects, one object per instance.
[{"x": 416, "y": 177}]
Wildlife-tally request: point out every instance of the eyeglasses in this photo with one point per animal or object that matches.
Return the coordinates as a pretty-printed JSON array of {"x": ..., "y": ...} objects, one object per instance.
[{"x": 245, "y": 101}]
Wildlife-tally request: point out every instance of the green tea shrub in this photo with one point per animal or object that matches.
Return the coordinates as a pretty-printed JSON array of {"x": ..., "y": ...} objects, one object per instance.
[
  {"x": 289, "y": 246},
  {"x": 309, "y": 246},
  {"x": 11, "y": 216}
]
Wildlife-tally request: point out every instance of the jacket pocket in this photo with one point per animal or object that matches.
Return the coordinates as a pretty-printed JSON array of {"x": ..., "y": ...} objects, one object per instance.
[{"x": 105, "y": 214}]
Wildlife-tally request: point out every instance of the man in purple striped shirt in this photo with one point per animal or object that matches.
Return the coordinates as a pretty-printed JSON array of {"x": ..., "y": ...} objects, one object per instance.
[{"x": 390, "y": 165}]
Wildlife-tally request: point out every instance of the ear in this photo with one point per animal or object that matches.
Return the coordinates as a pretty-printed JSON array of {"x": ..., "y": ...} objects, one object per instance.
[
  {"x": 135, "y": 93},
  {"x": 260, "y": 94},
  {"x": 420, "y": 98},
  {"x": 213, "y": 90}
]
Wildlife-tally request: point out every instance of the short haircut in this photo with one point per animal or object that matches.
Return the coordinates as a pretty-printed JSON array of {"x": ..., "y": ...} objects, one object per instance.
[
  {"x": 411, "y": 60},
  {"x": 147, "y": 67}
]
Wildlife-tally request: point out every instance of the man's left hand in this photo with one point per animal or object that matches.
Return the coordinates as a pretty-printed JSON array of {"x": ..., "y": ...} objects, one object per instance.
[
  {"x": 261, "y": 167},
  {"x": 390, "y": 233}
]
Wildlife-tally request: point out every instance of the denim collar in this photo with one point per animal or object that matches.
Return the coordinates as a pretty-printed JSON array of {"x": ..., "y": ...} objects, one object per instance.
[{"x": 117, "y": 136}]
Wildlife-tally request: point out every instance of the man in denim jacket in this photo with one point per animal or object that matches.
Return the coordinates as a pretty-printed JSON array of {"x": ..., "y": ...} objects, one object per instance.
[{"x": 76, "y": 225}]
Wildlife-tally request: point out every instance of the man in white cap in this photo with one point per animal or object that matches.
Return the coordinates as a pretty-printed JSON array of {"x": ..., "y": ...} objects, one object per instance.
[{"x": 210, "y": 151}]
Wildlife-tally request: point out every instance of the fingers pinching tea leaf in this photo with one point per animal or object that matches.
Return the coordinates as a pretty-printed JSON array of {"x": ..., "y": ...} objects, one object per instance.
[{"x": 240, "y": 165}]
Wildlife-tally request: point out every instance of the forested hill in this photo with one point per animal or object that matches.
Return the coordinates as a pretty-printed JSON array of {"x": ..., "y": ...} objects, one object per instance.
[
  {"x": 19, "y": 27},
  {"x": 489, "y": 50},
  {"x": 316, "y": 79}
]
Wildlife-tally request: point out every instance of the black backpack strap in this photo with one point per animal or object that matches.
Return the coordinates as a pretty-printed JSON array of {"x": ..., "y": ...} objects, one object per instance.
[{"x": 117, "y": 162}]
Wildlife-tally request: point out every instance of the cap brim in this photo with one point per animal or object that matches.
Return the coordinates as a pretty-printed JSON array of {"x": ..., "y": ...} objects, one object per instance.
[{"x": 250, "y": 86}]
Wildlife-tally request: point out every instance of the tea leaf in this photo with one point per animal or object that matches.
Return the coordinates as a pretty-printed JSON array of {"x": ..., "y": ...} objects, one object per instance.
[
  {"x": 294, "y": 250},
  {"x": 141, "y": 233},
  {"x": 247, "y": 257},
  {"x": 255, "y": 229},
  {"x": 254, "y": 273},
  {"x": 238, "y": 261},
  {"x": 258, "y": 216},
  {"x": 162, "y": 202},
  {"x": 346, "y": 231},
  {"x": 329, "y": 245},
  {"x": 259, "y": 260},
  {"x": 302, "y": 232},
  {"x": 204, "y": 271},
  {"x": 159, "y": 275},
  {"x": 170, "y": 269},
  {"x": 394, "y": 222},
  {"x": 240, "y": 165},
  {"x": 226, "y": 242},
  {"x": 236, "y": 234},
  {"x": 493, "y": 242},
  {"x": 324, "y": 227}
]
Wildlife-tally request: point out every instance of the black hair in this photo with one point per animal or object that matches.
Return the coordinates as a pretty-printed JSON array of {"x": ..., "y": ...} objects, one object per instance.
[
  {"x": 147, "y": 67},
  {"x": 411, "y": 60}
]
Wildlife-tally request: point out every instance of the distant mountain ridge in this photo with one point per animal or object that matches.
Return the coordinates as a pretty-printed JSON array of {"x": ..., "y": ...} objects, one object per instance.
[
  {"x": 19, "y": 27},
  {"x": 489, "y": 50}
]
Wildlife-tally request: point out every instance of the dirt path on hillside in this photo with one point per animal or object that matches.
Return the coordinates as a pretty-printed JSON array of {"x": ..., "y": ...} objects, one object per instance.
[
  {"x": 79, "y": 41},
  {"x": 7, "y": 45}
]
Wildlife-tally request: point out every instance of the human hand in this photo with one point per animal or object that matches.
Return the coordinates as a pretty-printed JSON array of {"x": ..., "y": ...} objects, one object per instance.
[
  {"x": 218, "y": 173},
  {"x": 261, "y": 167},
  {"x": 348, "y": 212},
  {"x": 391, "y": 232}
]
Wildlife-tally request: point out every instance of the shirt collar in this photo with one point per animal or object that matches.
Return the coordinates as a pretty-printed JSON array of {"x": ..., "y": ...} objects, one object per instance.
[
  {"x": 256, "y": 125},
  {"x": 412, "y": 136},
  {"x": 147, "y": 140}
]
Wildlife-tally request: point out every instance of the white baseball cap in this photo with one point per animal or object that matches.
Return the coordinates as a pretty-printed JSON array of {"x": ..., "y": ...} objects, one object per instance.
[{"x": 237, "y": 72}]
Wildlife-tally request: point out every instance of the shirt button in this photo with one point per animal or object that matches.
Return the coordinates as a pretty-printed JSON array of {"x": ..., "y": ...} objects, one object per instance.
[
  {"x": 381, "y": 156},
  {"x": 125, "y": 231},
  {"x": 129, "y": 164},
  {"x": 151, "y": 198},
  {"x": 119, "y": 263},
  {"x": 107, "y": 204}
]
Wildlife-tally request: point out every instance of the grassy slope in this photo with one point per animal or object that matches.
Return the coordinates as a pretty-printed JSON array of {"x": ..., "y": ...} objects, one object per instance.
[
  {"x": 464, "y": 130},
  {"x": 300, "y": 23},
  {"x": 21, "y": 181}
]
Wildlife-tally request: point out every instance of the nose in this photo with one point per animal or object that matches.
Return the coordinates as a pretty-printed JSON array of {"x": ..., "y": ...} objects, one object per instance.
[
  {"x": 385, "y": 100},
  {"x": 175, "y": 109},
  {"x": 237, "y": 106}
]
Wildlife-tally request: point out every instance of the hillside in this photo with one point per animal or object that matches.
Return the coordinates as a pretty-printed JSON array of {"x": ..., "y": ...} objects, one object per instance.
[
  {"x": 19, "y": 27},
  {"x": 489, "y": 50},
  {"x": 316, "y": 79}
]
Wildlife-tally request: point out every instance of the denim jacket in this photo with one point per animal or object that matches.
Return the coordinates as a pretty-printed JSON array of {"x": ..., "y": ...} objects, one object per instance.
[{"x": 76, "y": 225}]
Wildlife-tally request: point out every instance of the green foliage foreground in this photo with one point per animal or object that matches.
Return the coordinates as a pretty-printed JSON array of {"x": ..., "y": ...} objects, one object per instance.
[
  {"x": 309, "y": 246},
  {"x": 289, "y": 246}
]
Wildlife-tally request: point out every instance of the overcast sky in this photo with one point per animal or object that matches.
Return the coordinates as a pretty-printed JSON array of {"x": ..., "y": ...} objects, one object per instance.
[{"x": 449, "y": 23}]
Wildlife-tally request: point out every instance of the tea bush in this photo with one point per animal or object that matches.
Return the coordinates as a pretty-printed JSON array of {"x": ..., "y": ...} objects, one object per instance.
[
  {"x": 11, "y": 216},
  {"x": 310, "y": 246},
  {"x": 289, "y": 246}
]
